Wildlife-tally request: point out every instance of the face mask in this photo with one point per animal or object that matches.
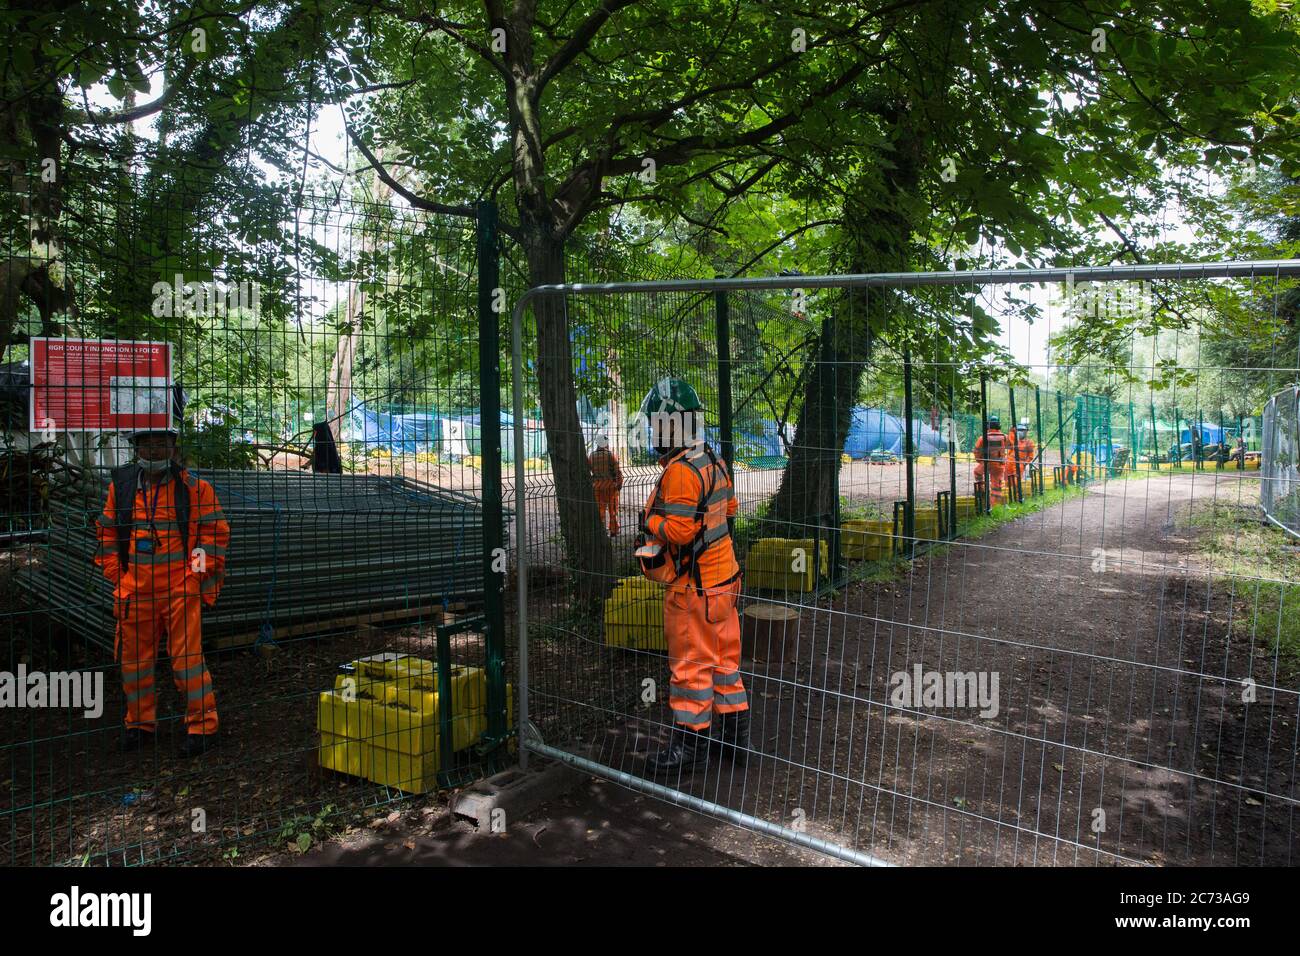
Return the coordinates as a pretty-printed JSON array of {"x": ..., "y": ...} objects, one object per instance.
[{"x": 154, "y": 467}]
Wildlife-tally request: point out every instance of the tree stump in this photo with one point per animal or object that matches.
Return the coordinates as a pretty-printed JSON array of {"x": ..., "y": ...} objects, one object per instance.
[{"x": 768, "y": 631}]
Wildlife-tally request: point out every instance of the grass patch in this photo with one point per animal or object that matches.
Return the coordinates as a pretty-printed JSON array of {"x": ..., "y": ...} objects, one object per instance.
[{"x": 1250, "y": 558}]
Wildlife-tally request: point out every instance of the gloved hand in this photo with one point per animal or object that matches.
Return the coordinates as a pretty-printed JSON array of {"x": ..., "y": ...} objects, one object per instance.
[{"x": 641, "y": 525}]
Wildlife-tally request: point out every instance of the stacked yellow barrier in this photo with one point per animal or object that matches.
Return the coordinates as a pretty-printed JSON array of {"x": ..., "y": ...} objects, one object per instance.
[
  {"x": 381, "y": 722},
  {"x": 866, "y": 540},
  {"x": 784, "y": 564},
  {"x": 965, "y": 506},
  {"x": 926, "y": 523},
  {"x": 634, "y": 615}
]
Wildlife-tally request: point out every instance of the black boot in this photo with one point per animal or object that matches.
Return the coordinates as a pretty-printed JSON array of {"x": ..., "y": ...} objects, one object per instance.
[
  {"x": 133, "y": 738},
  {"x": 735, "y": 737},
  {"x": 196, "y": 744},
  {"x": 685, "y": 749}
]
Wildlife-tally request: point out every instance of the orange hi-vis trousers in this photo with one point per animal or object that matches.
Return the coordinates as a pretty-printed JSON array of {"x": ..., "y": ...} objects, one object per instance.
[
  {"x": 703, "y": 635},
  {"x": 994, "y": 475},
  {"x": 607, "y": 503},
  {"x": 145, "y": 616}
]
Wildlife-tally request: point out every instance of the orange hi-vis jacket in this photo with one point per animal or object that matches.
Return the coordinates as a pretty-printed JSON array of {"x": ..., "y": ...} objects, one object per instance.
[
  {"x": 166, "y": 568},
  {"x": 604, "y": 467},
  {"x": 1019, "y": 451},
  {"x": 688, "y": 510},
  {"x": 996, "y": 452}
]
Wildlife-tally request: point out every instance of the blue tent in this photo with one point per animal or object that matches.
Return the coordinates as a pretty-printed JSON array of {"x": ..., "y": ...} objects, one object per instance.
[
  {"x": 403, "y": 434},
  {"x": 749, "y": 444},
  {"x": 871, "y": 429},
  {"x": 1210, "y": 434}
]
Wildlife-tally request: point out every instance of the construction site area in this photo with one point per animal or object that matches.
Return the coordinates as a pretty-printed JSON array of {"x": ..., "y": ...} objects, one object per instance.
[{"x": 374, "y": 493}]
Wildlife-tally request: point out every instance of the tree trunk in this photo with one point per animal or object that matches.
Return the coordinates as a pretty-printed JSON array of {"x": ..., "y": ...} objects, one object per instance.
[
  {"x": 809, "y": 484},
  {"x": 806, "y": 496},
  {"x": 590, "y": 557}
]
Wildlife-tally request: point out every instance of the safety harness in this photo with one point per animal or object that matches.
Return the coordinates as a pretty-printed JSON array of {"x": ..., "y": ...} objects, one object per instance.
[
  {"x": 602, "y": 465},
  {"x": 994, "y": 440},
  {"x": 126, "y": 480},
  {"x": 671, "y": 562}
]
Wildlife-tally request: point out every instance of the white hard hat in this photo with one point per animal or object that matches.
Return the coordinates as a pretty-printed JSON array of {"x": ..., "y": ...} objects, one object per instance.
[{"x": 602, "y": 440}]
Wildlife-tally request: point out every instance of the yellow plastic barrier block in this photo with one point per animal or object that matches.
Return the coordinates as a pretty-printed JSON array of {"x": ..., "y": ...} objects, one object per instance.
[
  {"x": 784, "y": 563},
  {"x": 343, "y": 755},
  {"x": 392, "y": 665},
  {"x": 340, "y": 715},
  {"x": 371, "y": 688},
  {"x": 926, "y": 524},
  {"x": 634, "y": 615},
  {"x": 412, "y": 773},
  {"x": 868, "y": 540},
  {"x": 417, "y": 772}
]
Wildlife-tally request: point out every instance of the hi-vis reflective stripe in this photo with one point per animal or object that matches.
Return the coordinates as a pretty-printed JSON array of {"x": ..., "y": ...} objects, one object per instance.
[
  {"x": 717, "y": 531},
  {"x": 166, "y": 525},
  {"x": 734, "y": 697},
  {"x": 191, "y": 672},
  {"x": 213, "y": 550},
  {"x": 150, "y": 557},
  {"x": 133, "y": 675},
  {"x": 105, "y": 522},
  {"x": 200, "y": 692},
  {"x": 212, "y": 516},
  {"x": 686, "y": 717},
  {"x": 720, "y": 494},
  {"x": 689, "y": 693},
  {"x": 726, "y": 680},
  {"x": 683, "y": 511},
  {"x": 104, "y": 550}
]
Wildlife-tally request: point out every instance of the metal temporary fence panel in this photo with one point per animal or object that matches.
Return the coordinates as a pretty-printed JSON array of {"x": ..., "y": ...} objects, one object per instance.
[
  {"x": 1080, "y": 758},
  {"x": 1279, "y": 492}
]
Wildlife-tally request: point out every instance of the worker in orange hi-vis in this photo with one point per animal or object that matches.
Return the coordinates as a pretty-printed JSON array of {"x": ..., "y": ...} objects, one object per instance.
[
  {"x": 990, "y": 460},
  {"x": 686, "y": 544},
  {"x": 607, "y": 479},
  {"x": 1020, "y": 452},
  {"x": 162, "y": 545}
]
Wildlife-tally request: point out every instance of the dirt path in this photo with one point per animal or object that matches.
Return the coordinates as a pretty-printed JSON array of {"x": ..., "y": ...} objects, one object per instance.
[{"x": 1120, "y": 735}]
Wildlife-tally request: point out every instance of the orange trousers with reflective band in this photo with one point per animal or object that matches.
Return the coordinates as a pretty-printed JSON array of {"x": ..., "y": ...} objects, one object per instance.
[
  {"x": 607, "y": 504},
  {"x": 144, "y": 616},
  {"x": 994, "y": 473},
  {"x": 703, "y": 635}
]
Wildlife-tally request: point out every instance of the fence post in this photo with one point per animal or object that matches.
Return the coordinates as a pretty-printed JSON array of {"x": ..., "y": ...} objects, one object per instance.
[
  {"x": 1060, "y": 436},
  {"x": 952, "y": 455},
  {"x": 489, "y": 370},
  {"x": 984, "y": 501},
  {"x": 1178, "y": 442},
  {"x": 1155, "y": 441},
  {"x": 1038, "y": 421},
  {"x": 909, "y": 516},
  {"x": 723, "y": 332},
  {"x": 1132, "y": 440},
  {"x": 1015, "y": 453}
]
